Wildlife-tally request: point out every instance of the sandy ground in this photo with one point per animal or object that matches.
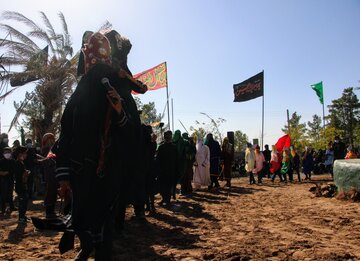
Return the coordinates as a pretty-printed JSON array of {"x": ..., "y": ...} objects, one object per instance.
[{"x": 246, "y": 222}]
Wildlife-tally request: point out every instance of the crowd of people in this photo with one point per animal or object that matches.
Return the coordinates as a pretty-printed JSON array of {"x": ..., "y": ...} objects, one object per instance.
[
  {"x": 285, "y": 163},
  {"x": 106, "y": 160},
  {"x": 29, "y": 171},
  {"x": 180, "y": 159}
]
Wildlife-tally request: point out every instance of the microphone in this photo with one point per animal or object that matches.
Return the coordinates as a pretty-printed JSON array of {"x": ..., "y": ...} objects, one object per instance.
[{"x": 106, "y": 83}]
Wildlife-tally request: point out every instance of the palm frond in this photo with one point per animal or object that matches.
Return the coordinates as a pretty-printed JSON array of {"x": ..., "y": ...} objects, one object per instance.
[
  {"x": 64, "y": 24},
  {"x": 20, "y": 109},
  {"x": 67, "y": 40},
  {"x": 41, "y": 34},
  {"x": 17, "y": 34},
  {"x": 59, "y": 41},
  {"x": 18, "y": 52},
  {"x": 12, "y": 59},
  {"x": 50, "y": 28},
  {"x": 10, "y": 43},
  {"x": 51, "y": 32},
  {"x": 7, "y": 93},
  {"x": 106, "y": 27},
  {"x": 68, "y": 49},
  {"x": 10, "y": 15},
  {"x": 54, "y": 82},
  {"x": 63, "y": 50}
]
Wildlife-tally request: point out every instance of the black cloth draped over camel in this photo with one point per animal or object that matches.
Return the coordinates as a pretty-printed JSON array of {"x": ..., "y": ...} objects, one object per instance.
[{"x": 82, "y": 131}]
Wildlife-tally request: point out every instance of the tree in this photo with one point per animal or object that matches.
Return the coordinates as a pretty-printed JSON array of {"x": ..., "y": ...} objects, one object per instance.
[
  {"x": 240, "y": 140},
  {"x": 344, "y": 114},
  {"x": 209, "y": 127},
  {"x": 53, "y": 69},
  {"x": 297, "y": 132},
  {"x": 357, "y": 136},
  {"x": 149, "y": 114},
  {"x": 328, "y": 134},
  {"x": 314, "y": 131},
  {"x": 199, "y": 132}
]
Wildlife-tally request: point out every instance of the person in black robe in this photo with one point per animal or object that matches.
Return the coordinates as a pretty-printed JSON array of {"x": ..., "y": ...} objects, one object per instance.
[
  {"x": 149, "y": 167},
  {"x": 48, "y": 164},
  {"x": 4, "y": 142},
  {"x": 190, "y": 152},
  {"x": 30, "y": 165},
  {"x": 180, "y": 146},
  {"x": 267, "y": 155},
  {"x": 91, "y": 152},
  {"x": 227, "y": 153},
  {"x": 7, "y": 181},
  {"x": 20, "y": 175},
  {"x": 215, "y": 154},
  {"x": 136, "y": 179},
  {"x": 167, "y": 162},
  {"x": 339, "y": 148}
]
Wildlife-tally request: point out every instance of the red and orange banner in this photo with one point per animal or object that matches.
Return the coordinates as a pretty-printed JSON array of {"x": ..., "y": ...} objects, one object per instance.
[{"x": 155, "y": 78}]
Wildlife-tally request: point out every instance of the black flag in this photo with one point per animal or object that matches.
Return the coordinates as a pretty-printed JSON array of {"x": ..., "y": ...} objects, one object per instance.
[{"x": 250, "y": 88}]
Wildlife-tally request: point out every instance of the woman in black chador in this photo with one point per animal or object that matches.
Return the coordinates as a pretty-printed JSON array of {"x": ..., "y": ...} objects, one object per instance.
[{"x": 95, "y": 129}]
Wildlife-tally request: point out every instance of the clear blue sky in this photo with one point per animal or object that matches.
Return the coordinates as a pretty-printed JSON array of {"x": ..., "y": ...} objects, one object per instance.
[{"x": 210, "y": 45}]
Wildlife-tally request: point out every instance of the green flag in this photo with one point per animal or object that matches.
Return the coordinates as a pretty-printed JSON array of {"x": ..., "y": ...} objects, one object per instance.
[{"x": 318, "y": 88}]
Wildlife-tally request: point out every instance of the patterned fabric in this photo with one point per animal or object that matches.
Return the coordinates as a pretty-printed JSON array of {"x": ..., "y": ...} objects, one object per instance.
[{"x": 97, "y": 50}]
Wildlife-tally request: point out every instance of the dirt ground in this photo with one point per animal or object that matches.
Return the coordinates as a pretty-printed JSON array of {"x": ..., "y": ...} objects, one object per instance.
[{"x": 246, "y": 222}]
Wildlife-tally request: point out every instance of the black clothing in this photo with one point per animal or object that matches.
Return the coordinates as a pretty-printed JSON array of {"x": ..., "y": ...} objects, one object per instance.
[
  {"x": 295, "y": 163},
  {"x": 215, "y": 154},
  {"x": 20, "y": 177},
  {"x": 2, "y": 147},
  {"x": 49, "y": 167},
  {"x": 30, "y": 165},
  {"x": 339, "y": 150},
  {"x": 149, "y": 168},
  {"x": 168, "y": 169},
  {"x": 267, "y": 157},
  {"x": 190, "y": 152},
  {"x": 7, "y": 183},
  {"x": 97, "y": 192},
  {"x": 21, "y": 187}
]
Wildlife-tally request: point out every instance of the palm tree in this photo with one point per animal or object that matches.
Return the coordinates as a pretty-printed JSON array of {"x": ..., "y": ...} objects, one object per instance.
[{"x": 41, "y": 56}]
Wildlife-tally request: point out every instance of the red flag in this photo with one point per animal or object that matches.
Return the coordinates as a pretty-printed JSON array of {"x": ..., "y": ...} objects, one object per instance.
[
  {"x": 284, "y": 141},
  {"x": 155, "y": 78}
]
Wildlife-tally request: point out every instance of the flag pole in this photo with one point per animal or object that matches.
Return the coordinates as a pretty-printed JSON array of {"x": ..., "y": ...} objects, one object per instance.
[
  {"x": 323, "y": 116},
  {"x": 172, "y": 113},
  {"x": 167, "y": 97},
  {"x": 262, "y": 123},
  {"x": 323, "y": 109}
]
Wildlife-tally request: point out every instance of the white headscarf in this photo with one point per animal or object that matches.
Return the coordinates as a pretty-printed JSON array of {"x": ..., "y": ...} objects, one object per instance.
[{"x": 200, "y": 144}]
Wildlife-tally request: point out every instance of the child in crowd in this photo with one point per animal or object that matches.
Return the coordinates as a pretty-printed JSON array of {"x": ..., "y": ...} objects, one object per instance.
[
  {"x": 6, "y": 181},
  {"x": 275, "y": 163},
  {"x": 259, "y": 163},
  {"x": 21, "y": 176},
  {"x": 295, "y": 163},
  {"x": 286, "y": 169}
]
